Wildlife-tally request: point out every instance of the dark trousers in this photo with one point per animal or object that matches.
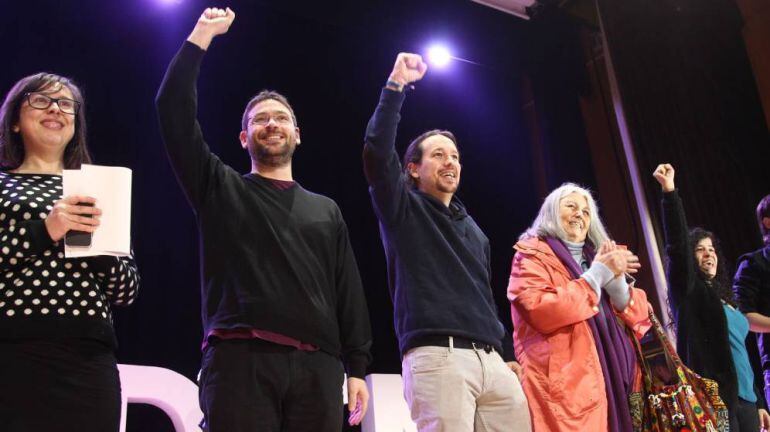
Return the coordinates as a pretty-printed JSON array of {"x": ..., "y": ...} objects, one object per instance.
[
  {"x": 257, "y": 386},
  {"x": 744, "y": 417},
  {"x": 58, "y": 385}
]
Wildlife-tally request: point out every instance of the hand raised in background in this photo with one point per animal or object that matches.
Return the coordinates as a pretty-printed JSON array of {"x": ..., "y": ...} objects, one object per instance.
[{"x": 664, "y": 174}]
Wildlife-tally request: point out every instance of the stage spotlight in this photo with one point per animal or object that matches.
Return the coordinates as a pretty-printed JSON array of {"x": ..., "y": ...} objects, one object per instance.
[{"x": 439, "y": 55}]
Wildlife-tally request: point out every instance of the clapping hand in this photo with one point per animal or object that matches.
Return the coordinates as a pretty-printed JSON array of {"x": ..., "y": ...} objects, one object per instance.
[{"x": 617, "y": 258}]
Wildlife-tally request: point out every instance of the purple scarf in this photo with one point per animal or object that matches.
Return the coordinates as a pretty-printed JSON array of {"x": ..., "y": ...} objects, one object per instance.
[{"x": 616, "y": 355}]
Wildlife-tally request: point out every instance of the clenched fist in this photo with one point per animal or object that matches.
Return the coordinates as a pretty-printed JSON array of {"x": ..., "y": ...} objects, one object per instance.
[
  {"x": 408, "y": 69},
  {"x": 212, "y": 22},
  {"x": 664, "y": 174}
]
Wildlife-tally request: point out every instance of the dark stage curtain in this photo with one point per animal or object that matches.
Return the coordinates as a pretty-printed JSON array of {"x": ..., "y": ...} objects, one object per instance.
[
  {"x": 555, "y": 81},
  {"x": 690, "y": 99}
]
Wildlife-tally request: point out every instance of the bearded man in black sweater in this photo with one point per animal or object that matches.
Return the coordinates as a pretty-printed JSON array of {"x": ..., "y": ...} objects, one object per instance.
[{"x": 281, "y": 294}]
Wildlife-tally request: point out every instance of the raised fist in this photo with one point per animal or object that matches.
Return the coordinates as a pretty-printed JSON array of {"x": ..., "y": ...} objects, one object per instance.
[
  {"x": 664, "y": 174},
  {"x": 216, "y": 21},
  {"x": 212, "y": 22},
  {"x": 408, "y": 68}
]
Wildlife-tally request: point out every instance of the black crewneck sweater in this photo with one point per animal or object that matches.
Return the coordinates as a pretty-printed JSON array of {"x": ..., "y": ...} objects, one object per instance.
[{"x": 272, "y": 259}]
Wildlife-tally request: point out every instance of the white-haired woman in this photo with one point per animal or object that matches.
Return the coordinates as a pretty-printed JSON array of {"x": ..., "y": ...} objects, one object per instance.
[{"x": 568, "y": 294}]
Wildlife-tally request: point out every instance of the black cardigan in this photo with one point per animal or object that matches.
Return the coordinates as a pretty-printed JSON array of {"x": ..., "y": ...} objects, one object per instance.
[{"x": 702, "y": 337}]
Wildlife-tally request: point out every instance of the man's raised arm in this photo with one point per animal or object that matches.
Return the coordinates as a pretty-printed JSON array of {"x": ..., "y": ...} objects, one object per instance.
[
  {"x": 381, "y": 165},
  {"x": 177, "y": 105}
]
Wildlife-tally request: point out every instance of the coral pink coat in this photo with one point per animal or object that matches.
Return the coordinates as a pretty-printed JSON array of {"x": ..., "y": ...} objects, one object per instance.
[{"x": 563, "y": 380}]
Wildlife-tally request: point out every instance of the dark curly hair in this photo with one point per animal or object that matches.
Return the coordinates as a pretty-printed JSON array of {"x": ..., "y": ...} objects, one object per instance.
[{"x": 721, "y": 283}]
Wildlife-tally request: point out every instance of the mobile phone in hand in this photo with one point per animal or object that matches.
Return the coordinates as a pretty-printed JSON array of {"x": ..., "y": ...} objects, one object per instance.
[{"x": 75, "y": 238}]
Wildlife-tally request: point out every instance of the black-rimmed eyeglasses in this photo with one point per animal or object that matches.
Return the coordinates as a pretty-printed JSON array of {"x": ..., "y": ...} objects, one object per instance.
[{"x": 41, "y": 102}]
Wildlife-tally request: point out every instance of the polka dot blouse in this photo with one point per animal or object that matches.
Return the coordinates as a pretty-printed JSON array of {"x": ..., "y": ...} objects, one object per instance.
[{"x": 43, "y": 294}]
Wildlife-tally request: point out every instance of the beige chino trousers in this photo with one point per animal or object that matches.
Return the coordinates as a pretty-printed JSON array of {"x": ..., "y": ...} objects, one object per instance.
[{"x": 463, "y": 390}]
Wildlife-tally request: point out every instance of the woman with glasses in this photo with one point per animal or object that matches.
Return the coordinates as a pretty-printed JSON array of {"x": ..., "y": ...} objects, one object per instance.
[{"x": 57, "y": 364}]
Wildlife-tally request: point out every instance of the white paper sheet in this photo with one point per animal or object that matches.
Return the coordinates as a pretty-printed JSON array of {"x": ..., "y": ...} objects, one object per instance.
[{"x": 111, "y": 186}]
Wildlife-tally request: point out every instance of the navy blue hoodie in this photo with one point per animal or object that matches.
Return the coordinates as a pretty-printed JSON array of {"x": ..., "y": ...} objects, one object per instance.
[{"x": 438, "y": 258}]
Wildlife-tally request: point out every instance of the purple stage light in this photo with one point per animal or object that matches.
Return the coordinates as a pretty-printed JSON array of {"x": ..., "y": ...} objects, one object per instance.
[
  {"x": 439, "y": 56},
  {"x": 169, "y": 2}
]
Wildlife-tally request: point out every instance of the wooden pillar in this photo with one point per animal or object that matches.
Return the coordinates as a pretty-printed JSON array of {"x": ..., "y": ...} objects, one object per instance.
[{"x": 756, "y": 34}]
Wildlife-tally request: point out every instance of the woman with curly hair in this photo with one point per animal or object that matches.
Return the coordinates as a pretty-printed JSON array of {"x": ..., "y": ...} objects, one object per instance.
[{"x": 711, "y": 332}]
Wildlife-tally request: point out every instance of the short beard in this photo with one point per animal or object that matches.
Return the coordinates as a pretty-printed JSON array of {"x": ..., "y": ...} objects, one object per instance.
[
  {"x": 263, "y": 156},
  {"x": 447, "y": 189}
]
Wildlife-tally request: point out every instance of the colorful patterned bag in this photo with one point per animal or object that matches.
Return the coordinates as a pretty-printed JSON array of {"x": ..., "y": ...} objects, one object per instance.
[{"x": 668, "y": 396}]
